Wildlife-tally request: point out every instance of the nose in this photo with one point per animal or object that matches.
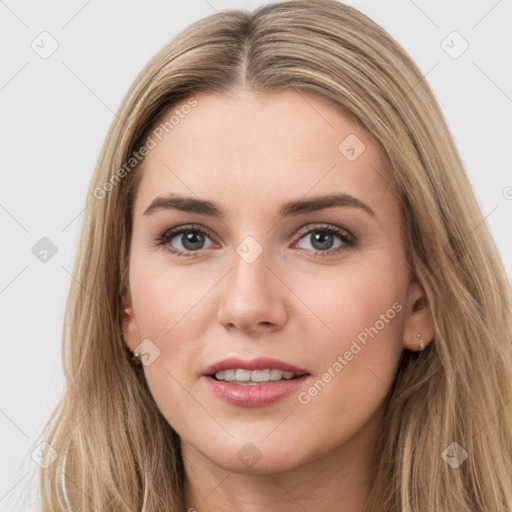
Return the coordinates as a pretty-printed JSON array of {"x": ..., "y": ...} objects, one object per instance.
[{"x": 252, "y": 298}]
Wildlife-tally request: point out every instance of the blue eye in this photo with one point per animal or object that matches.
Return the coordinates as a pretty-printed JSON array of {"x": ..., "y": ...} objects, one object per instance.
[
  {"x": 192, "y": 239},
  {"x": 323, "y": 238}
]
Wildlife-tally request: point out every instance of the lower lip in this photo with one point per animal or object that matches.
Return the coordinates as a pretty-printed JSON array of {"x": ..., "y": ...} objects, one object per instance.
[{"x": 254, "y": 395}]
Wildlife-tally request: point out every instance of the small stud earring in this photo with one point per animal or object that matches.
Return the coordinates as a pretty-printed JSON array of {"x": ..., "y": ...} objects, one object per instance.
[
  {"x": 422, "y": 344},
  {"x": 136, "y": 358}
]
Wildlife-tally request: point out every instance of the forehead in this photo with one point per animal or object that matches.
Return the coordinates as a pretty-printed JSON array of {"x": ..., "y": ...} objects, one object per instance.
[{"x": 263, "y": 147}]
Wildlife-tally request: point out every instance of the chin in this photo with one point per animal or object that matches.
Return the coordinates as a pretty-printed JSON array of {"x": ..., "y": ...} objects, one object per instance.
[
  {"x": 267, "y": 463},
  {"x": 253, "y": 454}
]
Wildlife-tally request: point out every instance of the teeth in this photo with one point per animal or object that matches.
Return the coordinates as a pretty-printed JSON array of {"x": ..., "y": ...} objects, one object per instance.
[
  {"x": 260, "y": 375},
  {"x": 276, "y": 374},
  {"x": 254, "y": 376},
  {"x": 242, "y": 375}
]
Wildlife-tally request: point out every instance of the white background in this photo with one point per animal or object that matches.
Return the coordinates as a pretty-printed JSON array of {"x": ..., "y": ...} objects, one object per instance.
[{"x": 55, "y": 114}]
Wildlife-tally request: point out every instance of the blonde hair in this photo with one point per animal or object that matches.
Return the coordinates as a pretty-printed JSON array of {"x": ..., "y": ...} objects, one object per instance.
[{"x": 117, "y": 452}]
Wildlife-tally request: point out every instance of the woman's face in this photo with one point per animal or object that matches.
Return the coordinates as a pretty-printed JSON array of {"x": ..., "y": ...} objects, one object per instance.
[{"x": 268, "y": 267}]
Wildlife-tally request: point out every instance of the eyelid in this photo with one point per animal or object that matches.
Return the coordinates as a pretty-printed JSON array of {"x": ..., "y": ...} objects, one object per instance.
[{"x": 321, "y": 226}]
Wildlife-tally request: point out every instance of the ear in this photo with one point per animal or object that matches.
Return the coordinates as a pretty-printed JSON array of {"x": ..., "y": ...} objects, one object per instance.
[
  {"x": 419, "y": 318},
  {"x": 129, "y": 324}
]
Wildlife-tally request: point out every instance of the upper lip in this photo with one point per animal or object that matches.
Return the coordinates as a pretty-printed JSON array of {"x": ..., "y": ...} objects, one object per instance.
[{"x": 260, "y": 363}]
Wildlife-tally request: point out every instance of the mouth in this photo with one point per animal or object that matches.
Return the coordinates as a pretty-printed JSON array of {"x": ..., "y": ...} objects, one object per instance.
[
  {"x": 253, "y": 371},
  {"x": 255, "y": 383}
]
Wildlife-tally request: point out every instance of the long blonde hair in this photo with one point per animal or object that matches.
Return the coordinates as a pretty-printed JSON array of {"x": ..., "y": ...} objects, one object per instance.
[{"x": 116, "y": 452}]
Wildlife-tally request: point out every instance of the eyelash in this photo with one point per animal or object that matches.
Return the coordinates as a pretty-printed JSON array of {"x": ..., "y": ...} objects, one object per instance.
[{"x": 348, "y": 240}]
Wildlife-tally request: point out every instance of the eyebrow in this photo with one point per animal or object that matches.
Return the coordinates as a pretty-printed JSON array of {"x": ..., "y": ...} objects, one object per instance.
[{"x": 291, "y": 208}]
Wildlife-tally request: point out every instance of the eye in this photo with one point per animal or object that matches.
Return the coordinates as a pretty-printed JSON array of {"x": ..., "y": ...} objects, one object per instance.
[
  {"x": 322, "y": 240},
  {"x": 190, "y": 237}
]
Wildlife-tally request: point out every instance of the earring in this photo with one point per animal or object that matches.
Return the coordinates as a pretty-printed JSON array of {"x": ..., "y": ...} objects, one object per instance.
[
  {"x": 422, "y": 343},
  {"x": 136, "y": 358}
]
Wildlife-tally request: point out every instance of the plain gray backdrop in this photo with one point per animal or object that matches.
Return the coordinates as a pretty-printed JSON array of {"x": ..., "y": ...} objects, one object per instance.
[{"x": 65, "y": 69}]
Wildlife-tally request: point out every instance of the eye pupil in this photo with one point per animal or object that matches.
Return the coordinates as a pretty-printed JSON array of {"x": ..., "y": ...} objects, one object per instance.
[{"x": 192, "y": 240}]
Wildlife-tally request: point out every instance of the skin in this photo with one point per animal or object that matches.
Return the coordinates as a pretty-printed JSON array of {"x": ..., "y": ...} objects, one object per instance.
[{"x": 250, "y": 153}]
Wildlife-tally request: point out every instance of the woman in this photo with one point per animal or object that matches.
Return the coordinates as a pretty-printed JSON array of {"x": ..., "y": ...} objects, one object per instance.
[{"x": 281, "y": 238}]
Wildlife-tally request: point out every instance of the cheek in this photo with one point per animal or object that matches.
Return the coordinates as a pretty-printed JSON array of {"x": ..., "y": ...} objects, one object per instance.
[
  {"x": 362, "y": 317},
  {"x": 164, "y": 298},
  {"x": 167, "y": 306},
  {"x": 356, "y": 365},
  {"x": 354, "y": 302}
]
